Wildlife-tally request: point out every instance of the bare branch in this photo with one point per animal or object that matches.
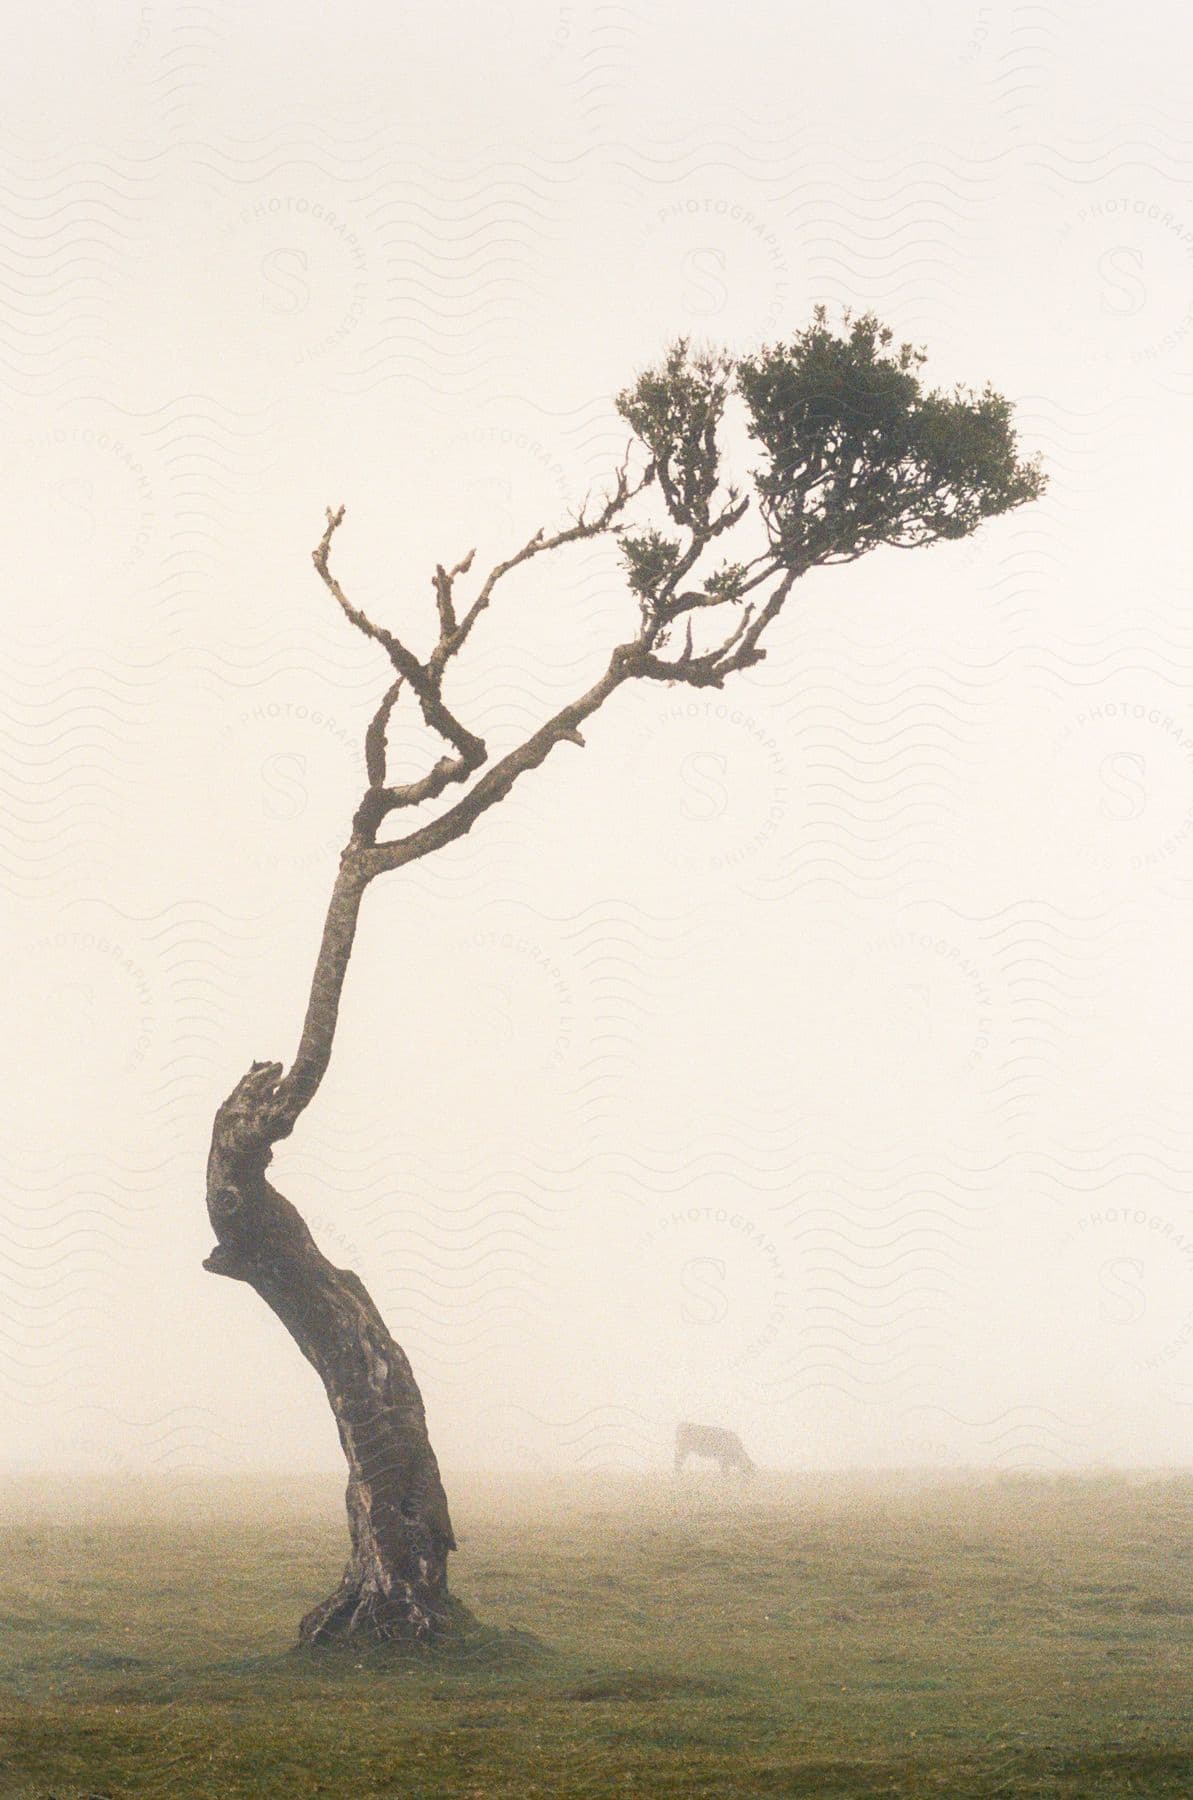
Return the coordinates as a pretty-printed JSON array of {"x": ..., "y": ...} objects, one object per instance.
[
  {"x": 737, "y": 651},
  {"x": 297, "y": 1087},
  {"x": 364, "y": 858},
  {"x": 496, "y": 782},
  {"x": 379, "y": 802},
  {"x": 582, "y": 527},
  {"x": 443, "y": 582},
  {"x": 381, "y": 799},
  {"x": 471, "y": 750},
  {"x": 375, "y": 737},
  {"x": 319, "y": 556}
]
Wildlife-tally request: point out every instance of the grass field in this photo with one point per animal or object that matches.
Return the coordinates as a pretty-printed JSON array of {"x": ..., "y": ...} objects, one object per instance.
[{"x": 823, "y": 1638}]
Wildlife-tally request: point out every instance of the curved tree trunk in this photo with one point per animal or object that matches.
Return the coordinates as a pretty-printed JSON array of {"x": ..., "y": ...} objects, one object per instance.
[{"x": 395, "y": 1583}]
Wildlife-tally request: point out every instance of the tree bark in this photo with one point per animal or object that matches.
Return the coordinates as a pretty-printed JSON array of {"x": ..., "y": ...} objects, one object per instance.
[{"x": 395, "y": 1582}]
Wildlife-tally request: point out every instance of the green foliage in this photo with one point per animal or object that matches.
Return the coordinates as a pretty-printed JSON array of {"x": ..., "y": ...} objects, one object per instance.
[
  {"x": 857, "y": 454},
  {"x": 676, "y": 411},
  {"x": 726, "y": 582},
  {"x": 650, "y": 560}
]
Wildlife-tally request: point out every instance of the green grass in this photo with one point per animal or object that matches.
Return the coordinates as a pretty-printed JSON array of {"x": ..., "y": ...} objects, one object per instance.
[{"x": 811, "y": 1638}]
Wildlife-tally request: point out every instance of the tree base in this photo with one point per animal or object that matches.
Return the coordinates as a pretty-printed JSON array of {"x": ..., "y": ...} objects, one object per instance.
[
  {"x": 362, "y": 1613},
  {"x": 461, "y": 1640}
]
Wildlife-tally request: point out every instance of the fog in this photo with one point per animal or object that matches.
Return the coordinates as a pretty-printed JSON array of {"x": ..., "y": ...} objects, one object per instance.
[{"x": 811, "y": 1058}]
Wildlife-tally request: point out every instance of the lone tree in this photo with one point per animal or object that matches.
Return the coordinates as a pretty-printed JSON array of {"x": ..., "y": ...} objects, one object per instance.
[{"x": 853, "y": 454}]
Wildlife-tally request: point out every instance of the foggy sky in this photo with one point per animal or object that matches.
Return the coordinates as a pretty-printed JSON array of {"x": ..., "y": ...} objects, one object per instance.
[{"x": 812, "y": 1058}]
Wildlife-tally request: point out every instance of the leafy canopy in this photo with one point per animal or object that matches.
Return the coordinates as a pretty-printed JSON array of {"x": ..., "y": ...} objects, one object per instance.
[{"x": 855, "y": 452}]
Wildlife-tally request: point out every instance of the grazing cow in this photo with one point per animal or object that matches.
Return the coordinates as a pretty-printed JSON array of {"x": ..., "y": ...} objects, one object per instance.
[{"x": 714, "y": 1442}]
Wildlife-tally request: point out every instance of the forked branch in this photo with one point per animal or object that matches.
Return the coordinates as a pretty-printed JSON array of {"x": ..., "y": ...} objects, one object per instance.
[
  {"x": 452, "y": 637},
  {"x": 855, "y": 455},
  {"x": 470, "y": 751}
]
